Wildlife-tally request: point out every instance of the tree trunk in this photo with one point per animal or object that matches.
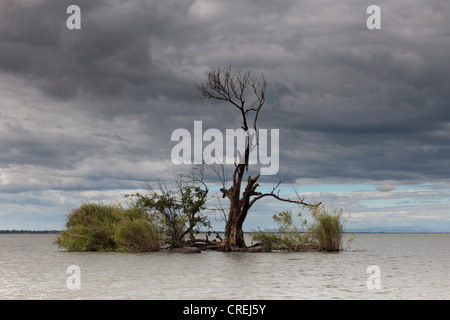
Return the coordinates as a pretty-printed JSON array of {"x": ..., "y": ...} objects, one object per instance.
[
  {"x": 234, "y": 235},
  {"x": 239, "y": 206}
]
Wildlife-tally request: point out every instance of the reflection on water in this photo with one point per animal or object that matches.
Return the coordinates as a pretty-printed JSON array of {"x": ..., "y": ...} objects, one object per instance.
[{"x": 411, "y": 267}]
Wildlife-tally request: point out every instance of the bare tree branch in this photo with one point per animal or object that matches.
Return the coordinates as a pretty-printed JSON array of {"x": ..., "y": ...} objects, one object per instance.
[{"x": 225, "y": 85}]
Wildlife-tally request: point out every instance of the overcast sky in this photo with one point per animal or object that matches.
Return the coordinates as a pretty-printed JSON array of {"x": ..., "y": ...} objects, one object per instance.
[{"x": 364, "y": 115}]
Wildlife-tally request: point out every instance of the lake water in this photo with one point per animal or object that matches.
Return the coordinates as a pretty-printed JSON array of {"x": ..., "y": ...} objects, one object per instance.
[{"x": 411, "y": 266}]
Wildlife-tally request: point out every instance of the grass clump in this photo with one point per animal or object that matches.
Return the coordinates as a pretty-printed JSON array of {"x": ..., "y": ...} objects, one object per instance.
[
  {"x": 327, "y": 230},
  {"x": 325, "y": 234},
  {"x": 137, "y": 235},
  {"x": 101, "y": 227},
  {"x": 289, "y": 236}
]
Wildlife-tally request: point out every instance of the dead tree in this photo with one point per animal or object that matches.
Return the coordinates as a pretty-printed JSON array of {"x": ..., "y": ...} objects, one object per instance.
[{"x": 247, "y": 95}]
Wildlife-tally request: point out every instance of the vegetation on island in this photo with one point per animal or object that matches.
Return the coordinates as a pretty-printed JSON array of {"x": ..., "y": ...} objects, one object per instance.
[
  {"x": 176, "y": 211},
  {"x": 163, "y": 217},
  {"x": 324, "y": 234},
  {"x": 103, "y": 227}
]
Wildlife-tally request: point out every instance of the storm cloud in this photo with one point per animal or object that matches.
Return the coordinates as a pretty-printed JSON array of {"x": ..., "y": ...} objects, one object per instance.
[{"x": 94, "y": 109}]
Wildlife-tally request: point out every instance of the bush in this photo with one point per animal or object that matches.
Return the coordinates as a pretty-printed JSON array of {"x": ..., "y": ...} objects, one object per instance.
[
  {"x": 289, "y": 235},
  {"x": 328, "y": 228},
  {"x": 324, "y": 234},
  {"x": 137, "y": 235},
  {"x": 100, "y": 227},
  {"x": 177, "y": 211}
]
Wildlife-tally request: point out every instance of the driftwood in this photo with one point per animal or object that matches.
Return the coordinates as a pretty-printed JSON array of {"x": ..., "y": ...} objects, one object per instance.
[
  {"x": 186, "y": 250},
  {"x": 198, "y": 244},
  {"x": 204, "y": 244}
]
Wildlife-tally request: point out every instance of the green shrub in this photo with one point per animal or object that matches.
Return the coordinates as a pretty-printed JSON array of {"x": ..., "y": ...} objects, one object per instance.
[
  {"x": 289, "y": 235},
  {"x": 324, "y": 234},
  {"x": 327, "y": 229},
  {"x": 100, "y": 227},
  {"x": 177, "y": 211},
  {"x": 137, "y": 235}
]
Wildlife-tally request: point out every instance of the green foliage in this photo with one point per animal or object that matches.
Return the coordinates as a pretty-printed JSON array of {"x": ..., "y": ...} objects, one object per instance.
[
  {"x": 324, "y": 234},
  {"x": 289, "y": 235},
  {"x": 137, "y": 235},
  {"x": 100, "y": 227},
  {"x": 327, "y": 229},
  {"x": 176, "y": 210}
]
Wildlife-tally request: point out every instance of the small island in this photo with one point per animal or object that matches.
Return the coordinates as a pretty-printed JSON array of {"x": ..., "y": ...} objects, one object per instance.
[
  {"x": 101, "y": 227},
  {"x": 170, "y": 215}
]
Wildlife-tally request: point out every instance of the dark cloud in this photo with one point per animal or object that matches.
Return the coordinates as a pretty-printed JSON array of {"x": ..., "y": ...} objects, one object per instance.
[
  {"x": 111, "y": 56},
  {"x": 350, "y": 103}
]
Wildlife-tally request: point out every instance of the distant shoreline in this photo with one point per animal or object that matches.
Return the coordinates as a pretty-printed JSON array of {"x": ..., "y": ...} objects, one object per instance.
[
  {"x": 30, "y": 231},
  {"x": 247, "y": 232}
]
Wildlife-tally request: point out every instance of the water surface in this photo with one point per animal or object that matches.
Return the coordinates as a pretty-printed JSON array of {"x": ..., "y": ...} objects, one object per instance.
[{"x": 412, "y": 266}]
